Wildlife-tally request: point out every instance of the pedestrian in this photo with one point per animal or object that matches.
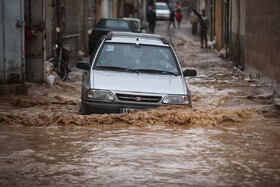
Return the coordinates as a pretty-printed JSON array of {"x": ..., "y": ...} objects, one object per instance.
[
  {"x": 178, "y": 6},
  {"x": 193, "y": 21},
  {"x": 152, "y": 20},
  {"x": 150, "y": 7},
  {"x": 179, "y": 17},
  {"x": 204, "y": 24},
  {"x": 172, "y": 19}
]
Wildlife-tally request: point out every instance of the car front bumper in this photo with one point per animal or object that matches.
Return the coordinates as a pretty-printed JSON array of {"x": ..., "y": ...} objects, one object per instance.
[
  {"x": 163, "y": 16},
  {"x": 89, "y": 107}
]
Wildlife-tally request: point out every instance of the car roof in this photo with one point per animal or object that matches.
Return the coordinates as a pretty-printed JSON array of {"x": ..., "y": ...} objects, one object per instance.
[
  {"x": 134, "y": 19},
  {"x": 137, "y": 38},
  {"x": 115, "y": 19},
  {"x": 161, "y": 3},
  {"x": 111, "y": 18}
]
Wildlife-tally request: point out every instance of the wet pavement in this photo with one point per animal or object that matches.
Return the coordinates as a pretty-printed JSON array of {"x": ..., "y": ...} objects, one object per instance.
[{"x": 229, "y": 138}]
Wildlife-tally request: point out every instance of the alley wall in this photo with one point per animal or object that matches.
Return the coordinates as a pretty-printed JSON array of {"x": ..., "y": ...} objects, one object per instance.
[
  {"x": 263, "y": 38},
  {"x": 237, "y": 35}
]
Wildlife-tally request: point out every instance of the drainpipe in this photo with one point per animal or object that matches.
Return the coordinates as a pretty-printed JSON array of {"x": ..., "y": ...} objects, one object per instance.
[
  {"x": 238, "y": 35},
  {"x": 144, "y": 13},
  {"x": 230, "y": 27},
  {"x": 212, "y": 20}
]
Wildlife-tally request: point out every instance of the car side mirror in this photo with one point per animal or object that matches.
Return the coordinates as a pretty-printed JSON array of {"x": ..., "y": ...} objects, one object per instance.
[
  {"x": 189, "y": 72},
  {"x": 83, "y": 65}
]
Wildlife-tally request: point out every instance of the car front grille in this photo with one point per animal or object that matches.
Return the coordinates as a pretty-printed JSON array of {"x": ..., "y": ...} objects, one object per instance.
[{"x": 139, "y": 98}]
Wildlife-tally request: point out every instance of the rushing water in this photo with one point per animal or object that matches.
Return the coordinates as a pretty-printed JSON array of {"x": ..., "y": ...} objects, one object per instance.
[{"x": 233, "y": 154}]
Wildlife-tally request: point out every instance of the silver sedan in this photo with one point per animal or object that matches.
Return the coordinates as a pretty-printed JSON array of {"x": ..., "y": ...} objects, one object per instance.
[{"x": 132, "y": 71}]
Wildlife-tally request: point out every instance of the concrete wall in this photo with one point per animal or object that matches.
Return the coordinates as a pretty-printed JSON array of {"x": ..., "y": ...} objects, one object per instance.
[
  {"x": 71, "y": 34},
  {"x": 99, "y": 10},
  {"x": 237, "y": 32},
  {"x": 263, "y": 38},
  {"x": 49, "y": 29}
]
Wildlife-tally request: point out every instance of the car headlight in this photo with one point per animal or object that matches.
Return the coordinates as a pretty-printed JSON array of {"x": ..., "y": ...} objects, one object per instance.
[
  {"x": 177, "y": 99},
  {"x": 100, "y": 95}
]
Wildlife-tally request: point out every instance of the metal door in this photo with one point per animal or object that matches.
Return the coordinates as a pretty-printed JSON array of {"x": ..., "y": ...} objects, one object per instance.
[
  {"x": 35, "y": 58},
  {"x": 12, "y": 42}
]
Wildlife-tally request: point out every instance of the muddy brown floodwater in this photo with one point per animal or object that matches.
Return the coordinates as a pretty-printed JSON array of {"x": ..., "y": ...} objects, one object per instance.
[{"x": 229, "y": 138}]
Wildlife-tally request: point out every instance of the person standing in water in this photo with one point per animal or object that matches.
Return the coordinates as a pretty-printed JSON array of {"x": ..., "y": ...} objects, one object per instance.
[{"x": 204, "y": 24}]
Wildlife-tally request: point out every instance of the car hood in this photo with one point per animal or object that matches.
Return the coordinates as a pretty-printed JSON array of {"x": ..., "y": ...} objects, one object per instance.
[{"x": 142, "y": 82}]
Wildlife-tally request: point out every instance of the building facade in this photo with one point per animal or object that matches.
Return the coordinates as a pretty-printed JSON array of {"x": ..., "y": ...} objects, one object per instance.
[
  {"x": 262, "y": 43},
  {"x": 23, "y": 59},
  {"x": 249, "y": 31}
]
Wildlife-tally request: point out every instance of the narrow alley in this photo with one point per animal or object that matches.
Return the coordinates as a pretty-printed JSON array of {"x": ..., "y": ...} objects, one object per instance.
[{"x": 230, "y": 137}]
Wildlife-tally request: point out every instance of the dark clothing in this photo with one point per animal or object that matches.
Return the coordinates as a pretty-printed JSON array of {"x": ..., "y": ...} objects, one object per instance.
[
  {"x": 172, "y": 16},
  {"x": 172, "y": 19},
  {"x": 152, "y": 20},
  {"x": 194, "y": 28},
  {"x": 203, "y": 35}
]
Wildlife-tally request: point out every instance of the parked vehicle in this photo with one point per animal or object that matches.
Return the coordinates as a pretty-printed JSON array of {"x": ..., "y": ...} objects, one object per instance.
[
  {"x": 60, "y": 60},
  {"x": 137, "y": 22},
  {"x": 132, "y": 71},
  {"x": 162, "y": 11},
  {"x": 106, "y": 25}
]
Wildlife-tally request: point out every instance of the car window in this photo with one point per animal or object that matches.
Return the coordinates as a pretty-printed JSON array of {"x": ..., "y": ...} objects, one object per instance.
[
  {"x": 133, "y": 26},
  {"x": 137, "y": 57},
  {"x": 101, "y": 23},
  {"x": 117, "y": 24},
  {"x": 137, "y": 24}
]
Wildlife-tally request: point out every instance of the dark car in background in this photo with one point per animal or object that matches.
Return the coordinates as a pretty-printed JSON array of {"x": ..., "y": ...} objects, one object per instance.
[
  {"x": 137, "y": 22},
  {"x": 105, "y": 25}
]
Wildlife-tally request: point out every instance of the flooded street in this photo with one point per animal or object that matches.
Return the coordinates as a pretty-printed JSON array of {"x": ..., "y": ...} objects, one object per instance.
[
  {"x": 235, "y": 155},
  {"x": 229, "y": 138}
]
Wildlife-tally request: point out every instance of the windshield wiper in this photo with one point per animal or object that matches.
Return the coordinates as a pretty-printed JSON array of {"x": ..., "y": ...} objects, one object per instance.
[
  {"x": 156, "y": 71},
  {"x": 114, "y": 68}
]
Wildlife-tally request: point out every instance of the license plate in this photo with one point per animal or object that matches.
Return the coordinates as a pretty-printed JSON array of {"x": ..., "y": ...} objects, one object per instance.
[{"x": 128, "y": 110}]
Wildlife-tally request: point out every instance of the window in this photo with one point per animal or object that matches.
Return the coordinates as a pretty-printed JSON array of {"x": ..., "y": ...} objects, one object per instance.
[{"x": 117, "y": 24}]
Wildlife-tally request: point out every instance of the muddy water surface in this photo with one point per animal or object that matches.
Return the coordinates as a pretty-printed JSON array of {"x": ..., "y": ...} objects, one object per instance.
[{"x": 238, "y": 154}]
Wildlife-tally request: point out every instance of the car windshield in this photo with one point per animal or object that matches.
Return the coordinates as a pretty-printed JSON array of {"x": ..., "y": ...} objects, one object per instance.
[
  {"x": 140, "y": 58},
  {"x": 161, "y": 7}
]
